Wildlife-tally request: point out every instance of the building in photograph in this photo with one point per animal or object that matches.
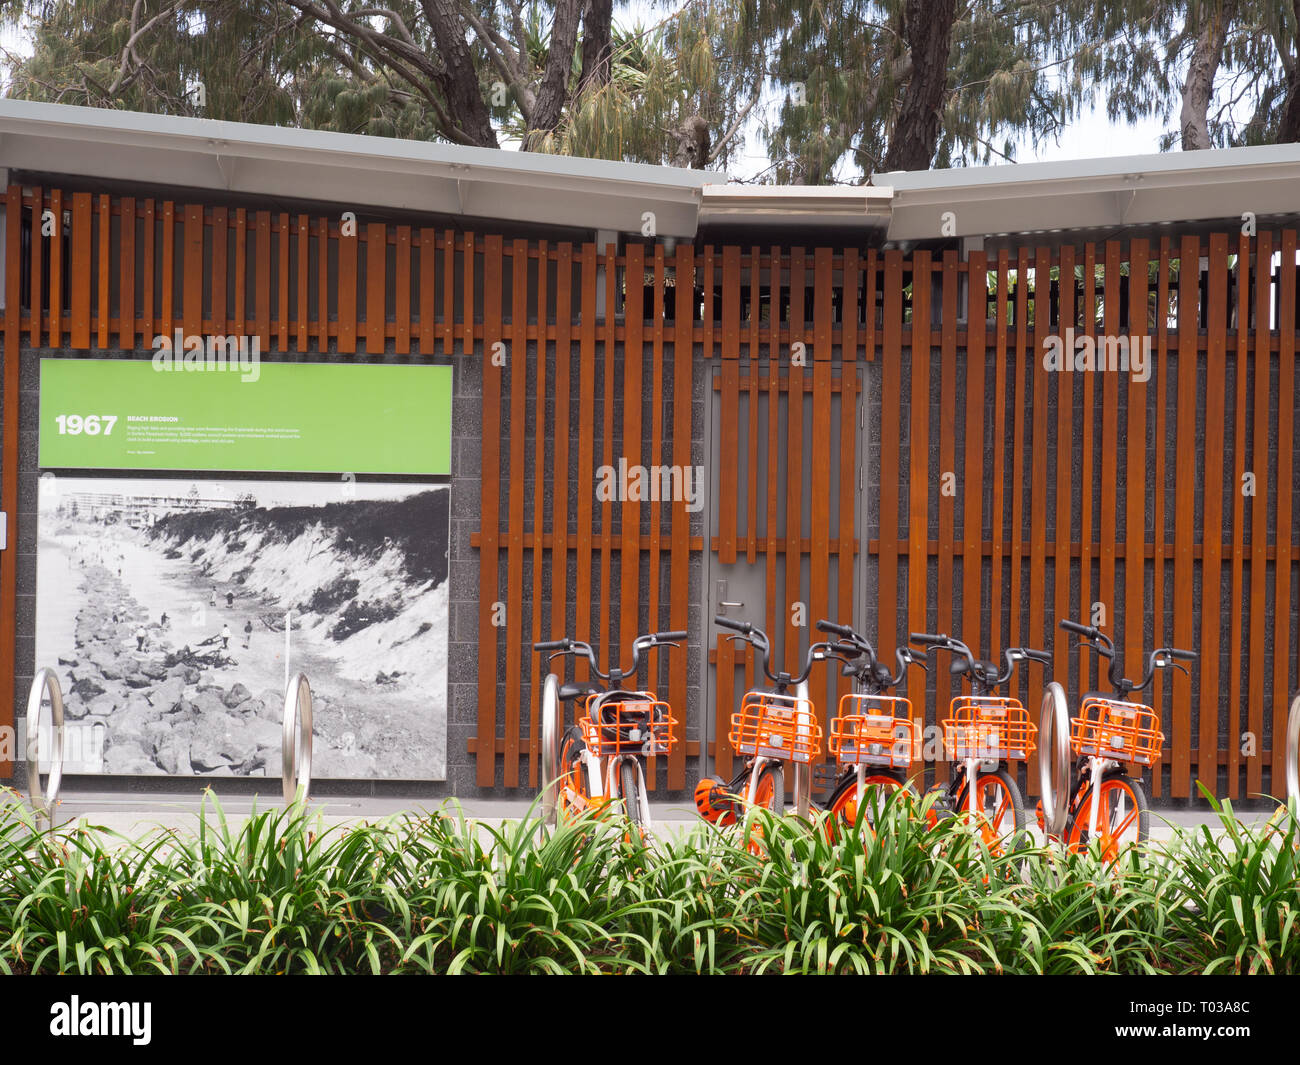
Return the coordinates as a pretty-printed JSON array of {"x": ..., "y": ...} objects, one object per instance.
[{"x": 515, "y": 397}]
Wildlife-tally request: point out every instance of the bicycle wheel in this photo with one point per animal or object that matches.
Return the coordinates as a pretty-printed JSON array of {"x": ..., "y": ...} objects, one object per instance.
[
  {"x": 630, "y": 787},
  {"x": 843, "y": 805},
  {"x": 1122, "y": 816},
  {"x": 999, "y": 807},
  {"x": 769, "y": 794},
  {"x": 572, "y": 793}
]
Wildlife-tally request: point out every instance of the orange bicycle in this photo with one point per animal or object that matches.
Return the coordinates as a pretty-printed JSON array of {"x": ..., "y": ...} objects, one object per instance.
[
  {"x": 601, "y": 760},
  {"x": 1100, "y": 800},
  {"x": 773, "y": 726},
  {"x": 981, "y": 735},
  {"x": 873, "y": 736}
]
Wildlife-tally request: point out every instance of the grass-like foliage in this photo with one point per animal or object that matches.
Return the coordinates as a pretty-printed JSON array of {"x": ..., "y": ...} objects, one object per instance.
[{"x": 279, "y": 892}]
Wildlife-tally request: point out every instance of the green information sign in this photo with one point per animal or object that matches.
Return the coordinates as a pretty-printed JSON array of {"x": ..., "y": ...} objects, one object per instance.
[{"x": 117, "y": 414}]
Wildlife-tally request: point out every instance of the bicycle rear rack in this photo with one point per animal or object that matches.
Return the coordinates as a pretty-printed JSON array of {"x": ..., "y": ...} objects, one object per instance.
[{"x": 43, "y": 800}]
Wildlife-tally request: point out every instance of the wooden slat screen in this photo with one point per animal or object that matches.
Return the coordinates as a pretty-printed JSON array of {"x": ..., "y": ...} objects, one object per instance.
[{"x": 1001, "y": 496}]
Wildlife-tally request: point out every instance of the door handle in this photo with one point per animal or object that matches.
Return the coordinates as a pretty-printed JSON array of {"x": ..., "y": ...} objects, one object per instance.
[{"x": 723, "y": 604}]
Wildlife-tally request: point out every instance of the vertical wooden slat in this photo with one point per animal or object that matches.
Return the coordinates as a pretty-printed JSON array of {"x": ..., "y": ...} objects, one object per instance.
[
  {"x": 1064, "y": 471},
  {"x": 608, "y": 655},
  {"x": 563, "y": 427},
  {"x": 819, "y": 499},
  {"x": 1261, "y": 627},
  {"x": 655, "y": 504},
  {"x": 126, "y": 286},
  {"x": 891, "y": 384},
  {"x": 36, "y": 332},
  {"x": 918, "y": 499},
  {"x": 633, "y": 391},
  {"x": 167, "y": 272},
  {"x": 1212, "y": 509},
  {"x": 752, "y": 489},
  {"x": 1109, "y": 440},
  {"x": 1019, "y": 395},
  {"x": 773, "y": 447},
  {"x": 1135, "y": 433},
  {"x": 1036, "y": 635},
  {"x": 262, "y": 280},
  {"x": 102, "y": 268},
  {"x": 972, "y": 479},
  {"x": 679, "y": 575},
  {"x": 402, "y": 298},
  {"x": 449, "y": 293},
  {"x": 304, "y": 273},
  {"x": 56, "y": 270},
  {"x": 376, "y": 286},
  {"x": 241, "y": 271},
  {"x": 845, "y": 607},
  {"x": 729, "y": 435},
  {"x": 1158, "y": 612},
  {"x": 794, "y": 465},
  {"x": 540, "y": 480},
  {"x": 347, "y": 298},
  {"x": 282, "y": 283},
  {"x": 1184, "y": 503},
  {"x": 219, "y": 307},
  {"x": 80, "y": 273},
  {"x": 944, "y": 613},
  {"x": 192, "y": 270},
  {"x": 517, "y": 363},
  {"x": 1237, "y": 593},
  {"x": 1283, "y": 529},
  {"x": 1087, "y": 486},
  {"x": 586, "y": 449},
  {"x": 489, "y": 505},
  {"x": 9, "y": 453},
  {"x": 428, "y": 296},
  {"x": 999, "y": 456},
  {"x": 323, "y": 285}
]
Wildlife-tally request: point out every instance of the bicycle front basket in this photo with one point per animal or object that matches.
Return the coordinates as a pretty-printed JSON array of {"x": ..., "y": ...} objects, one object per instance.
[
  {"x": 628, "y": 725},
  {"x": 776, "y": 726},
  {"x": 874, "y": 730},
  {"x": 1126, "y": 732},
  {"x": 988, "y": 728}
]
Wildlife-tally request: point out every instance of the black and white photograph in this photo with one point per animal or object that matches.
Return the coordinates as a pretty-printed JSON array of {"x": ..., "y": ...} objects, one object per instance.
[{"x": 176, "y": 609}]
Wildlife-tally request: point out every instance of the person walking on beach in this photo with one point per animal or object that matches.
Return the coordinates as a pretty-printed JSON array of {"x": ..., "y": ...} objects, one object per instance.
[
  {"x": 225, "y": 637},
  {"x": 140, "y": 635},
  {"x": 248, "y": 632}
]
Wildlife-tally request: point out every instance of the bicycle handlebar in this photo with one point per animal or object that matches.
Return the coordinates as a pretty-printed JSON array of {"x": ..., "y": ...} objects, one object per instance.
[
  {"x": 1012, "y": 655},
  {"x": 1160, "y": 658},
  {"x": 817, "y": 652},
  {"x": 578, "y": 648}
]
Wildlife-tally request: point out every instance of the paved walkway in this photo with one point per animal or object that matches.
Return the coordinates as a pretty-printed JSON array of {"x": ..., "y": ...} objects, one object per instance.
[{"x": 134, "y": 815}]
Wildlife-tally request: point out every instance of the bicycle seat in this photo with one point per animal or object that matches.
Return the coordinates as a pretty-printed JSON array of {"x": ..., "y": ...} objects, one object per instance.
[
  {"x": 985, "y": 672},
  {"x": 577, "y": 688}
]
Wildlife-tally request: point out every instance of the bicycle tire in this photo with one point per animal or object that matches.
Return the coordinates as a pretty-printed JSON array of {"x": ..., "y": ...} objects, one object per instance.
[
  {"x": 1116, "y": 783},
  {"x": 994, "y": 832},
  {"x": 573, "y": 775},
  {"x": 630, "y": 788},
  {"x": 845, "y": 796}
]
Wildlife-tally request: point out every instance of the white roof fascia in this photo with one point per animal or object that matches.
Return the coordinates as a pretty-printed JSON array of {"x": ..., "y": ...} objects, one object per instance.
[
  {"x": 345, "y": 169},
  {"x": 1095, "y": 193}
]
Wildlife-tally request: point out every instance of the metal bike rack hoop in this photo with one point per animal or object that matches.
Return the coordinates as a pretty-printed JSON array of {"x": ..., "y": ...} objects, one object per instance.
[
  {"x": 43, "y": 800},
  {"x": 550, "y": 747},
  {"x": 1054, "y": 763},
  {"x": 1293, "y": 751},
  {"x": 295, "y": 745}
]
